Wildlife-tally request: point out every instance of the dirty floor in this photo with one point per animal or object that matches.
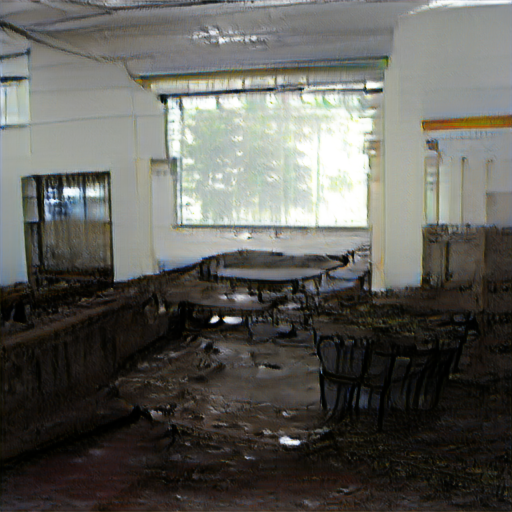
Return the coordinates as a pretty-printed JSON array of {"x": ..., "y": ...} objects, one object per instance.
[{"x": 229, "y": 419}]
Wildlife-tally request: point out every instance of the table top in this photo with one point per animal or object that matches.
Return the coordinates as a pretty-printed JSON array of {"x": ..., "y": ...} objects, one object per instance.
[
  {"x": 226, "y": 305},
  {"x": 270, "y": 275}
]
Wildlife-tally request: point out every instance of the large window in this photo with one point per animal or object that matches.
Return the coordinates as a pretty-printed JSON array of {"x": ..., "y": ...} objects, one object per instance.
[{"x": 270, "y": 159}]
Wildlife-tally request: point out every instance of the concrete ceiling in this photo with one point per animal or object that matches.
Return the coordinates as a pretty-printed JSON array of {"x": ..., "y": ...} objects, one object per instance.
[{"x": 167, "y": 37}]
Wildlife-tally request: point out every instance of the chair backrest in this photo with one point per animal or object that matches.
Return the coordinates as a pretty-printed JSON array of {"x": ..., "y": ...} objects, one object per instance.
[
  {"x": 409, "y": 376},
  {"x": 379, "y": 367},
  {"x": 344, "y": 358}
]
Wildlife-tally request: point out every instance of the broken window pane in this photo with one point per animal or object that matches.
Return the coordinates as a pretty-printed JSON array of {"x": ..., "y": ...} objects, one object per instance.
[
  {"x": 96, "y": 198},
  {"x": 63, "y": 198},
  {"x": 29, "y": 190},
  {"x": 67, "y": 225}
]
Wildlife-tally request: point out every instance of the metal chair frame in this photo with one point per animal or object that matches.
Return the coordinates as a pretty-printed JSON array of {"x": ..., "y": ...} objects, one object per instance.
[{"x": 372, "y": 364}]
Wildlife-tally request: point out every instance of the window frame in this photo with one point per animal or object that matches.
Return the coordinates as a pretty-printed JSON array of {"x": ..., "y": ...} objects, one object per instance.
[
  {"x": 178, "y": 163},
  {"x": 22, "y": 100}
]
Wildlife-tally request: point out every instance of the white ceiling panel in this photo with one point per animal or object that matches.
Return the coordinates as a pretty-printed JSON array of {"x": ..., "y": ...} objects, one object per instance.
[{"x": 174, "y": 37}]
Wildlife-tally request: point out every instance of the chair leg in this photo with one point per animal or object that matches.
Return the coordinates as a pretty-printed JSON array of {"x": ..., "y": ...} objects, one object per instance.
[
  {"x": 358, "y": 399},
  {"x": 382, "y": 406},
  {"x": 323, "y": 401},
  {"x": 442, "y": 375},
  {"x": 420, "y": 381},
  {"x": 384, "y": 393},
  {"x": 349, "y": 403}
]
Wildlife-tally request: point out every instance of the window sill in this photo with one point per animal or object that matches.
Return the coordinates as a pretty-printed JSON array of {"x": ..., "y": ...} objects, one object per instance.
[{"x": 262, "y": 228}]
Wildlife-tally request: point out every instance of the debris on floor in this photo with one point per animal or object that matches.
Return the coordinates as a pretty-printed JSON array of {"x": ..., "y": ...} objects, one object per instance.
[{"x": 227, "y": 416}]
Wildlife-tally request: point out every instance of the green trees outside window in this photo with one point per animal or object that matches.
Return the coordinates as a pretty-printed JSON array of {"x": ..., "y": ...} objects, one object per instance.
[{"x": 271, "y": 159}]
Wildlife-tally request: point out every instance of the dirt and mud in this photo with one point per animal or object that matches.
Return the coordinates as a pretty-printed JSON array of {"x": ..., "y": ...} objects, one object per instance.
[{"x": 227, "y": 417}]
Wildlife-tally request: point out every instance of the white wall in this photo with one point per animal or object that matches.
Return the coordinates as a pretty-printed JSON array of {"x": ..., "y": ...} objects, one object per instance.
[
  {"x": 85, "y": 116},
  {"x": 88, "y": 116},
  {"x": 180, "y": 247},
  {"x": 446, "y": 63}
]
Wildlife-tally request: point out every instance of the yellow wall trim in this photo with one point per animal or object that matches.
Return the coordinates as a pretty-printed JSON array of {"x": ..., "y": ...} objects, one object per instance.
[{"x": 468, "y": 123}]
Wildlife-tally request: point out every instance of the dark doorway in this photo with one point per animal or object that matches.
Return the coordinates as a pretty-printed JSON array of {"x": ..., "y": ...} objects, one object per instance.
[{"x": 68, "y": 227}]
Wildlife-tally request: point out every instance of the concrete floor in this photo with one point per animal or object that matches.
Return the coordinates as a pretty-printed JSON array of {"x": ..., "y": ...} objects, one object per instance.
[
  {"x": 232, "y": 421},
  {"x": 227, "y": 417}
]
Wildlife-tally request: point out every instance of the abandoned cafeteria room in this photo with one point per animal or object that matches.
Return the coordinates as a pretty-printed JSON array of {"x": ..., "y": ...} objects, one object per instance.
[{"x": 255, "y": 255}]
